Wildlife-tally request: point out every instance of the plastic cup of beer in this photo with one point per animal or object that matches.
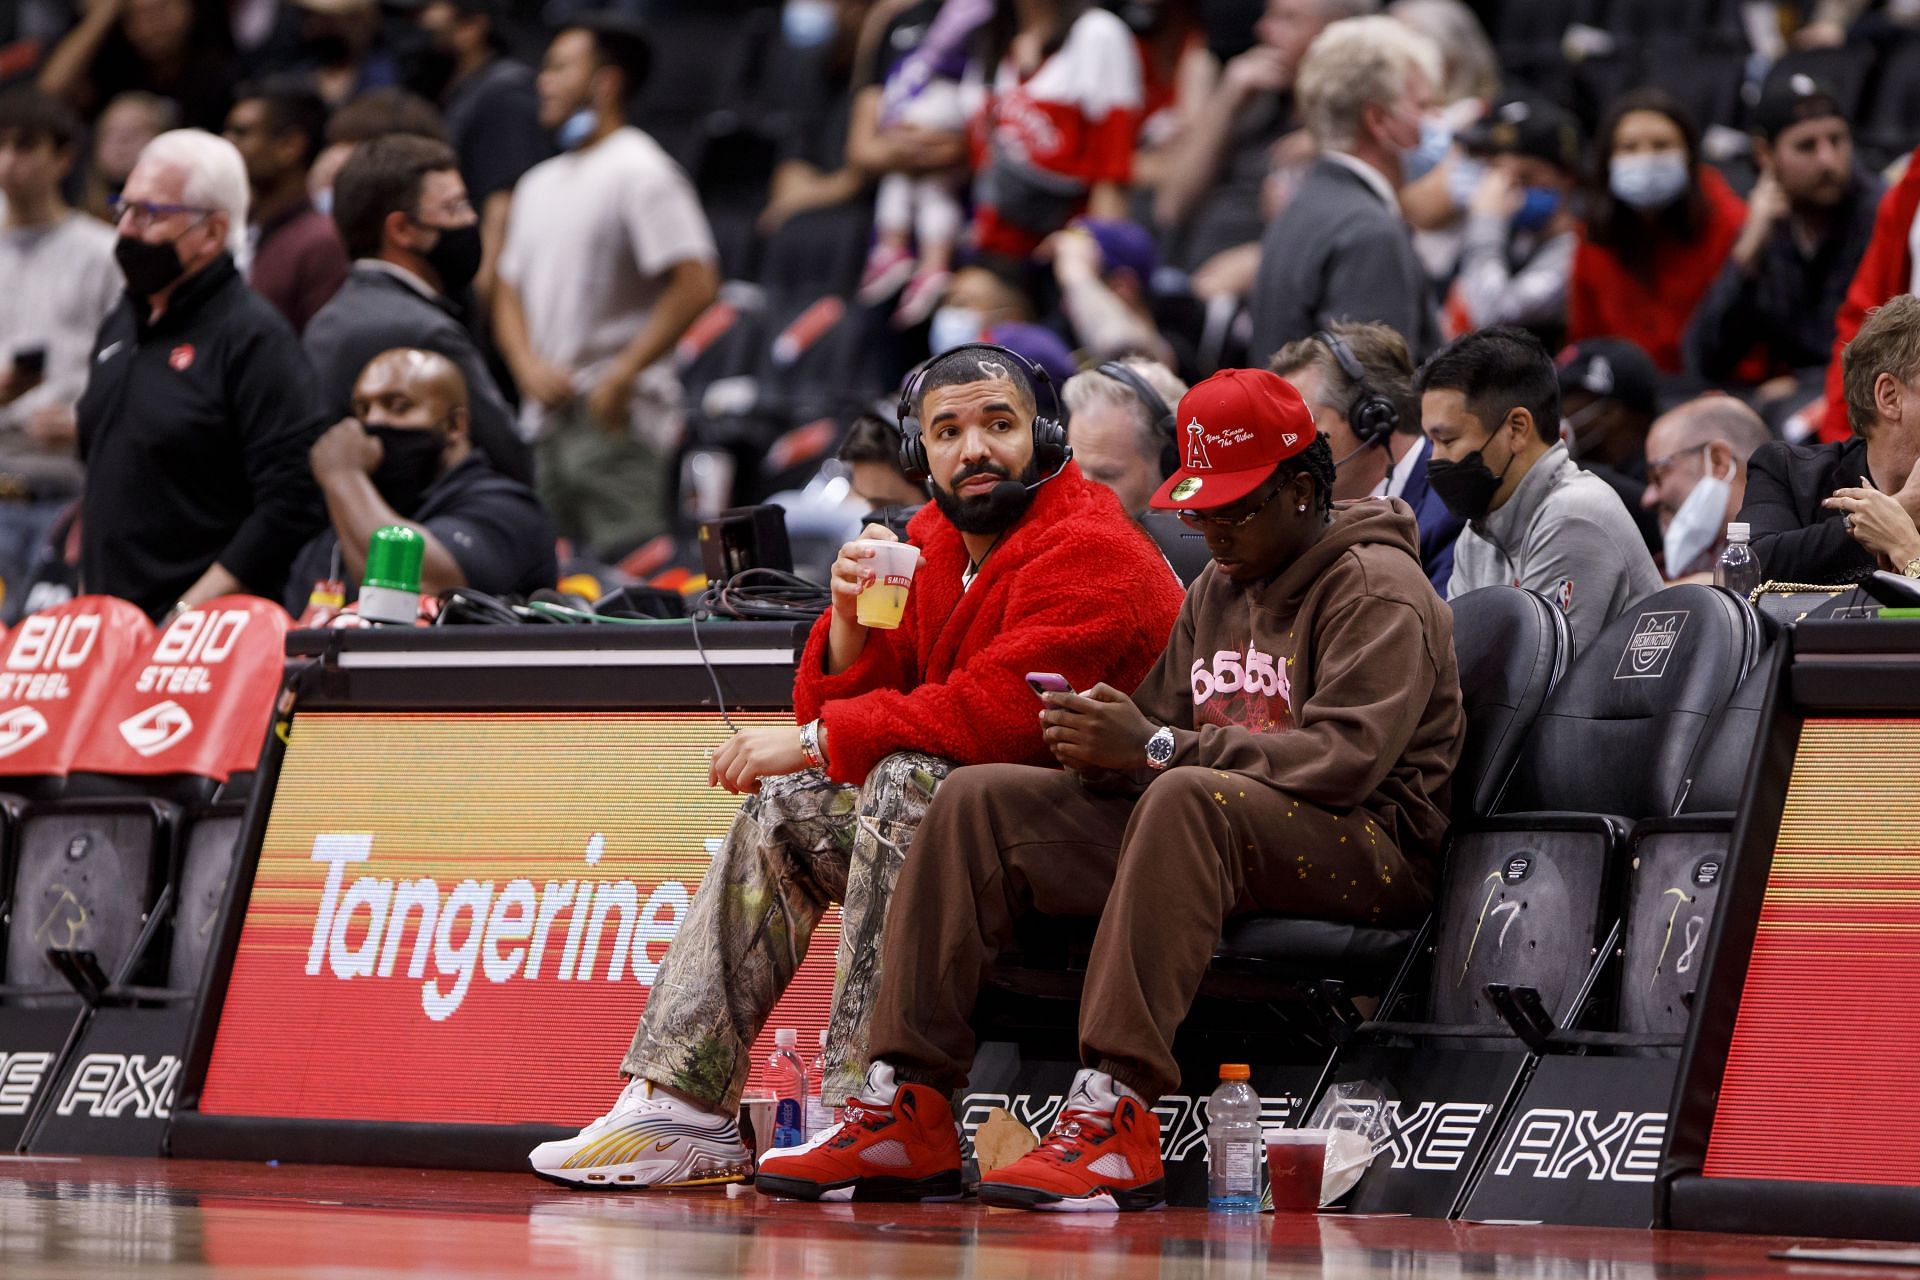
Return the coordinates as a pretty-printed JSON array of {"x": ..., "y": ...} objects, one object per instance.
[
  {"x": 1296, "y": 1162},
  {"x": 883, "y": 597}
]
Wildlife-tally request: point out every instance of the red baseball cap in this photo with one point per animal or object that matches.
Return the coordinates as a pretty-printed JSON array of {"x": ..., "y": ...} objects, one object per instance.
[{"x": 1233, "y": 429}]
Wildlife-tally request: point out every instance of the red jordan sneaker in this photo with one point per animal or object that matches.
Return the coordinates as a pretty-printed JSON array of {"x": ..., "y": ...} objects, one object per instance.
[
  {"x": 1102, "y": 1156},
  {"x": 894, "y": 1143}
]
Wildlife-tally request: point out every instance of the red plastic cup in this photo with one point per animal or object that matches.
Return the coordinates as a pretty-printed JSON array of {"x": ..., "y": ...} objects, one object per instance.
[{"x": 1296, "y": 1161}]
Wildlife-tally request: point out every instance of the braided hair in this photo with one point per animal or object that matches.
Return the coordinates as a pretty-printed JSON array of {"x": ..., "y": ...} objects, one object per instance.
[{"x": 1316, "y": 460}]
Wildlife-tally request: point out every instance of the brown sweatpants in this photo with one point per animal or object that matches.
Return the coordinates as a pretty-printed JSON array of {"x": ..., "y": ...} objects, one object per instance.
[{"x": 1164, "y": 872}]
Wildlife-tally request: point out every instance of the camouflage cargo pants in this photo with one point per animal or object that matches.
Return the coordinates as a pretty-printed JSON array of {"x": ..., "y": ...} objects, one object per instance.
[{"x": 800, "y": 845}]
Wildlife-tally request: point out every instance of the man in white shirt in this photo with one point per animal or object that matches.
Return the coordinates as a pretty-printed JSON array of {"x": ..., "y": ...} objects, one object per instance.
[
  {"x": 1358, "y": 381},
  {"x": 608, "y": 259},
  {"x": 57, "y": 283}
]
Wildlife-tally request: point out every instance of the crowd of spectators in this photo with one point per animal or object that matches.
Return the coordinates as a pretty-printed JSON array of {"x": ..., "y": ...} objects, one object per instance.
[{"x": 547, "y": 206}]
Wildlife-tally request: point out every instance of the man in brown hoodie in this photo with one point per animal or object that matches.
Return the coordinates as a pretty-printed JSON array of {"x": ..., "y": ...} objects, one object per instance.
[{"x": 1291, "y": 752}]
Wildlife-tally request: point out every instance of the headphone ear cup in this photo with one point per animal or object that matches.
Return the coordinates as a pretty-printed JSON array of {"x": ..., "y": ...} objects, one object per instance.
[
  {"x": 1374, "y": 419},
  {"x": 1169, "y": 456},
  {"x": 1050, "y": 448},
  {"x": 913, "y": 451}
]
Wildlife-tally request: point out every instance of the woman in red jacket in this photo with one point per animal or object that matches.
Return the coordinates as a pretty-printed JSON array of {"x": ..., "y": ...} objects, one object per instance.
[{"x": 1659, "y": 226}]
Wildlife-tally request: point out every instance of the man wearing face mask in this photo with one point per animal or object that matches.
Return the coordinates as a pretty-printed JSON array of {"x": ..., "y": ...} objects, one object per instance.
[
  {"x": 1341, "y": 250},
  {"x": 1609, "y": 397},
  {"x": 403, "y": 213},
  {"x": 200, "y": 407},
  {"x": 1697, "y": 479},
  {"x": 608, "y": 259},
  {"x": 1490, "y": 403},
  {"x": 1517, "y": 253},
  {"x": 404, "y": 458}
]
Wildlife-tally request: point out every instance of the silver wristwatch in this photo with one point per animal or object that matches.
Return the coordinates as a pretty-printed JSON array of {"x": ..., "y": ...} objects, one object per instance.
[{"x": 1160, "y": 749}]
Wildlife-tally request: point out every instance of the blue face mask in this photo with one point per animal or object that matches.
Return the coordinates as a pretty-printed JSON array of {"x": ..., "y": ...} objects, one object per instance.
[
  {"x": 1424, "y": 156},
  {"x": 807, "y": 24},
  {"x": 576, "y": 128},
  {"x": 1537, "y": 209}
]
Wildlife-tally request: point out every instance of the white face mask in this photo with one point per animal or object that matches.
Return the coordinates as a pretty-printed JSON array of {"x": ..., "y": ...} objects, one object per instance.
[
  {"x": 953, "y": 327},
  {"x": 1697, "y": 525},
  {"x": 1651, "y": 181}
]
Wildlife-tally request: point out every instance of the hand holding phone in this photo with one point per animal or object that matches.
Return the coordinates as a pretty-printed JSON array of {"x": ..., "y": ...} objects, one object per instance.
[{"x": 1045, "y": 682}]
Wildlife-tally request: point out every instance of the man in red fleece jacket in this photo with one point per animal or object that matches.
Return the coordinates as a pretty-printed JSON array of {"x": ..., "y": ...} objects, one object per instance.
[{"x": 1025, "y": 566}]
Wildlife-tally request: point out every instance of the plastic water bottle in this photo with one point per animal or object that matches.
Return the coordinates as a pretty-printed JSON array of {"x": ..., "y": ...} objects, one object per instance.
[
  {"x": 1233, "y": 1143},
  {"x": 819, "y": 1110},
  {"x": 1739, "y": 569},
  {"x": 789, "y": 1090}
]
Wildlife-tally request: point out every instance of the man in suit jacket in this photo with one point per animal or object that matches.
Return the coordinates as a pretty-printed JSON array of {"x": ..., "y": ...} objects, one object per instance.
[
  {"x": 1835, "y": 512},
  {"x": 403, "y": 212},
  {"x": 1341, "y": 250},
  {"x": 1358, "y": 381}
]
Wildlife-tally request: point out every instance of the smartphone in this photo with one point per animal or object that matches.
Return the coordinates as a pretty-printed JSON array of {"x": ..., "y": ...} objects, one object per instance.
[
  {"x": 1045, "y": 682},
  {"x": 30, "y": 362}
]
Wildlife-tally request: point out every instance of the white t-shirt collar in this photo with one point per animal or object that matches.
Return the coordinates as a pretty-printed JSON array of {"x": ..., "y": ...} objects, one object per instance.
[{"x": 1368, "y": 174}]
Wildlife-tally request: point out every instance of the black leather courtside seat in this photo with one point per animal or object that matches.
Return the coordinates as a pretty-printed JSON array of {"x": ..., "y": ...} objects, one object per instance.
[
  {"x": 1528, "y": 890},
  {"x": 1512, "y": 647},
  {"x": 1679, "y": 864}
]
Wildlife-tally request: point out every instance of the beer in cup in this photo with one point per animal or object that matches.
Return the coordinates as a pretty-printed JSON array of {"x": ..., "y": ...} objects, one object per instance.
[{"x": 883, "y": 597}]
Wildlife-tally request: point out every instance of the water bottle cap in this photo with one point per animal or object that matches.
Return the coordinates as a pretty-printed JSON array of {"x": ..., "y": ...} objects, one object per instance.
[
  {"x": 1234, "y": 1071},
  {"x": 394, "y": 554},
  {"x": 785, "y": 1038},
  {"x": 1738, "y": 532}
]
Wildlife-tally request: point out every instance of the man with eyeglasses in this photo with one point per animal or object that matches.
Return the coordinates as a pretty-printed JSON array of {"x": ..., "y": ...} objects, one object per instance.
[
  {"x": 201, "y": 407},
  {"x": 403, "y": 212},
  {"x": 1697, "y": 479},
  {"x": 1290, "y": 752}
]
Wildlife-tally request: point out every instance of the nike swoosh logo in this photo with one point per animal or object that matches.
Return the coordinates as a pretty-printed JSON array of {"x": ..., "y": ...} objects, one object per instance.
[{"x": 662, "y": 1146}]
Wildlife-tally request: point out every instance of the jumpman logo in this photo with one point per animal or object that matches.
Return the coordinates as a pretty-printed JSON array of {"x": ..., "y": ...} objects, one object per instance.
[{"x": 1197, "y": 447}]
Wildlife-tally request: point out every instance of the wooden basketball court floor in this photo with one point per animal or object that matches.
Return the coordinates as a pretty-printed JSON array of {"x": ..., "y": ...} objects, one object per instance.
[{"x": 93, "y": 1217}]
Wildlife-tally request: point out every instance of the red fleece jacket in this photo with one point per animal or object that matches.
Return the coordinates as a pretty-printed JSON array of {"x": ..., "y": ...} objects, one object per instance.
[
  {"x": 1885, "y": 269},
  {"x": 1606, "y": 300},
  {"x": 1075, "y": 587}
]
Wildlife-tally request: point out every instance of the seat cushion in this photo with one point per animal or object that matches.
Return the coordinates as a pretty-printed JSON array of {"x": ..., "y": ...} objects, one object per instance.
[{"x": 1307, "y": 944}]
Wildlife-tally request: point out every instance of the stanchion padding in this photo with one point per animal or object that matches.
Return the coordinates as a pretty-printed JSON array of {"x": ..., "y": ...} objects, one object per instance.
[
  {"x": 201, "y": 700},
  {"x": 60, "y": 668}
]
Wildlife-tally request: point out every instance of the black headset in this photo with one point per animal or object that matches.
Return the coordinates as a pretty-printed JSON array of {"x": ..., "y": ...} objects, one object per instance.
[
  {"x": 1051, "y": 452},
  {"x": 1373, "y": 417},
  {"x": 1156, "y": 409}
]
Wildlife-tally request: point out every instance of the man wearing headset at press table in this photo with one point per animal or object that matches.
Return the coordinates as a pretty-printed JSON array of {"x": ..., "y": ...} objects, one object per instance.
[
  {"x": 1025, "y": 566},
  {"x": 1358, "y": 381}
]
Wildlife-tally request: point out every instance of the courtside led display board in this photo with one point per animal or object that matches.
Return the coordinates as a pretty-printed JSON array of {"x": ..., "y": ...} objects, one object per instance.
[
  {"x": 1823, "y": 1072},
  {"x": 1794, "y": 1109},
  {"x": 457, "y": 917}
]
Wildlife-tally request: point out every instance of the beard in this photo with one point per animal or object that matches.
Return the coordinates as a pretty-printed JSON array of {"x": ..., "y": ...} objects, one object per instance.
[{"x": 995, "y": 511}]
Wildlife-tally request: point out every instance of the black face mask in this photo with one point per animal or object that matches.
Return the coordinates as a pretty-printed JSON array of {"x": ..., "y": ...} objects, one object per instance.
[
  {"x": 409, "y": 464},
  {"x": 149, "y": 268},
  {"x": 1466, "y": 486},
  {"x": 455, "y": 256},
  {"x": 995, "y": 511}
]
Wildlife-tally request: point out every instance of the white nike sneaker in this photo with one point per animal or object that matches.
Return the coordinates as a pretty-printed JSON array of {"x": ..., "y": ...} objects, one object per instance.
[{"x": 647, "y": 1140}]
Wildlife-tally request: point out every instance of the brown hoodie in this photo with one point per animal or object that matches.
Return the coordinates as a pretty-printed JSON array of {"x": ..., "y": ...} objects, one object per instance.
[{"x": 1333, "y": 681}]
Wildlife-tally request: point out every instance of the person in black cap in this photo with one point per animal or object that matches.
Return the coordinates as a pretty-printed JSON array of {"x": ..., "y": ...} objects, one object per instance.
[
  {"x": 1608, "y": 401},
  {"x": 492, "y": 113},
  {"x": 1809, "y": 219},
  {"x": 1520, "y": 234}
]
